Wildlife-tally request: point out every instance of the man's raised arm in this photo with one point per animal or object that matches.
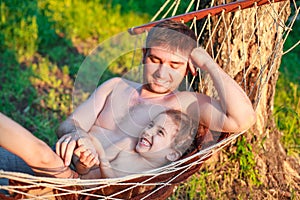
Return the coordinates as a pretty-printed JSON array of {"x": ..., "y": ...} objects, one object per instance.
[{"x": 233, "y": 112}]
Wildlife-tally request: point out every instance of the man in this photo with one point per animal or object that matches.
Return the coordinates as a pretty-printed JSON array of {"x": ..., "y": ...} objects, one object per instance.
[{"x": 170, "y": 52}]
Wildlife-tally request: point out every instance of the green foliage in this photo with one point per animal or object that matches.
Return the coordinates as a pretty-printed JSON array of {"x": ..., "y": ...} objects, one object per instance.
[
  {"x": 147, "y": 6},
  {"x": 88, "y": 19},
  {"x": 18, "y": 26},
  {"x": 20, "y": 100},
  {"x": 56, "y": 84},
  {"x": 247, "y": 165},
  {"x": 287, "y": 114},
  {"x": 15, "y": 84},
  {"x": 287, "y": 98},
  {"x": 195, "y": 188},
  {"x": 42, "y": 46}
]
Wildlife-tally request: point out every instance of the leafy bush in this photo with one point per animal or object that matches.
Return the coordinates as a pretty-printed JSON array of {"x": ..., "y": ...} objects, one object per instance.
[
  {"x": 287, "y": 98},
  {"x": 42, "y": 45},
  {"x": 19, "y": 28}
]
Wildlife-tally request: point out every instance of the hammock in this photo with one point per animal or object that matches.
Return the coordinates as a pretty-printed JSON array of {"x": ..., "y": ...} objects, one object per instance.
[{"x": 160, "y": 183}]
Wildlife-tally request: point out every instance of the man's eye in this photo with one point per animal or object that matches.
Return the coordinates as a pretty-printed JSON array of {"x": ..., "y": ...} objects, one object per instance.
[
  {"x": 154, "y": 60},
  {"x": 176, "y": 65}
]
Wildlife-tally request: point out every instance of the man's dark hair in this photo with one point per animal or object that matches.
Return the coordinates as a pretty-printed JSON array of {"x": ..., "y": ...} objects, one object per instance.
[{"x": 173, "y": 36}]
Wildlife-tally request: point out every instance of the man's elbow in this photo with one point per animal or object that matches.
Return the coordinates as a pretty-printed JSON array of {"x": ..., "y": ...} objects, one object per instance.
[
  {"x": 65, "y": 127},
  {"x": 247, "y": 121}
]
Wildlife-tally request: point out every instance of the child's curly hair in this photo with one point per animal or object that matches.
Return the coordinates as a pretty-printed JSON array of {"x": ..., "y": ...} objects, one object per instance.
[{"x": 187, "y": 130}]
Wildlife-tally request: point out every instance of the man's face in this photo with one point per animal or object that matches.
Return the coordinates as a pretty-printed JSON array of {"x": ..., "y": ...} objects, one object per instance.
[{"x": 163, "y": 69}]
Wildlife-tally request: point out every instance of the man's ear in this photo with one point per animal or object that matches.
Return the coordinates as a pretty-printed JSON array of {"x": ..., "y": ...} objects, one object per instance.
[
  {"x": 173, "y": 155},
  {"x": 144, "y": 54},
  {"x": 144, "y": 50}
]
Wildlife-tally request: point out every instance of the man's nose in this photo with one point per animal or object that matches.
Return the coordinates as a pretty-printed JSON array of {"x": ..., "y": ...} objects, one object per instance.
[{"x": 162, "y": 70}]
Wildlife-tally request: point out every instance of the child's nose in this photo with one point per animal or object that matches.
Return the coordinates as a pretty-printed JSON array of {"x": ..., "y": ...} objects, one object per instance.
[{"x": 149, "y": 132}]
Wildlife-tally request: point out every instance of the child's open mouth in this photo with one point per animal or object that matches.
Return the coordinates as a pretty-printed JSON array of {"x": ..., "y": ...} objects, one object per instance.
[{"x": 145, "y": 142}]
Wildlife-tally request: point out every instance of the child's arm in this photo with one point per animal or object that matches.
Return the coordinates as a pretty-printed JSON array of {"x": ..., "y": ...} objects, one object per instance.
[
  {"x": 106, "y": 169},
  {"x": 85, "y": 161},
  {"x": 33, "y": 151},
  {"x": 85, "y": 155}
]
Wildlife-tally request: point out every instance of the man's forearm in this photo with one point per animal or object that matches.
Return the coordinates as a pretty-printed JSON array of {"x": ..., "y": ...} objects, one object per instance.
[
  {"x": 233, "y": 112},
  {"x": 233, "y": 100}
]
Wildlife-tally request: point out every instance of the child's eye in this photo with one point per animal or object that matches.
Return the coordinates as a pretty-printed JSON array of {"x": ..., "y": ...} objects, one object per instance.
[
  {"x": 150, "y": 125},
  {"x": 160, "y": 132}
]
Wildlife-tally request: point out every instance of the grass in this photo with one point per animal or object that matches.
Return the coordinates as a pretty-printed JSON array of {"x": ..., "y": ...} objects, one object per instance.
[
  {"x": 287, "y": 99},
  {"x": 43, "y": 44}
]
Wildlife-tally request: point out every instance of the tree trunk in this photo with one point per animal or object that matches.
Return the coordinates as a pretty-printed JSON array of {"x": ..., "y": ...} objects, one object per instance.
[{"x": 251, "y": 55}]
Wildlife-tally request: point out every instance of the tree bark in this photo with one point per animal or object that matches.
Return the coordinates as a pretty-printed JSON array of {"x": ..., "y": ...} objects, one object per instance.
[{"x": 251, "y": 54}]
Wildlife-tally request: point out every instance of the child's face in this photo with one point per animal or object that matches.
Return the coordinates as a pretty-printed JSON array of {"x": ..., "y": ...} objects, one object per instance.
[{"x": 157, "y": 137}]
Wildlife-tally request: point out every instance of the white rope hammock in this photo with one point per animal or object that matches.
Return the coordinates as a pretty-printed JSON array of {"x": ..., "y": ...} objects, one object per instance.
[{"x": 153, "y": 183}]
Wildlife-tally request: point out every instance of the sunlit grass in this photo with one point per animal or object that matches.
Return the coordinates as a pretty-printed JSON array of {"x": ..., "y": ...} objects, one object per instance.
[
  {"x": 287, "y": 98},
  {"x": 287, "y": 114},
  {"x": 42, "y": 45}
]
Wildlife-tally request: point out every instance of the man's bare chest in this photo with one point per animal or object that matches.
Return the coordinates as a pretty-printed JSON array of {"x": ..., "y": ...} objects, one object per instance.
[
  {"x": 130, "y": 115},
  {"x": 127, "y": 110}
]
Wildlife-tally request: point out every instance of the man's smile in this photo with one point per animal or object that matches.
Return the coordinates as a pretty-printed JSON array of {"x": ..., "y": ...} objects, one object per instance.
[{"x": 160, "y": 82}]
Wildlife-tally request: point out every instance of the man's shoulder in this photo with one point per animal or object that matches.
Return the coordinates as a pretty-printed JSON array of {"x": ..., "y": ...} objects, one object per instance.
[
  {"x": 113, "y": 80},
  {"x": 123, "y": 82}
]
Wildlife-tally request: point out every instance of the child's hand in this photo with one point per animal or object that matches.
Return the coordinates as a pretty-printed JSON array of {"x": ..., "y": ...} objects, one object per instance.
[
  {"x": 86, "y": 156},
  {"x": 88, "y": 149},
  {"x": 66, "y": 144}
]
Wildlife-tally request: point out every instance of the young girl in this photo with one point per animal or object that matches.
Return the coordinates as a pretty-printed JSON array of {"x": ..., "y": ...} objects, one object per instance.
[{"x": 164, "y": 140}]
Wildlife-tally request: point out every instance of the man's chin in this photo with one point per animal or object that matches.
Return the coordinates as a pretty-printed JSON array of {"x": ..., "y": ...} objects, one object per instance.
[{"x": 158, "y": 89}]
